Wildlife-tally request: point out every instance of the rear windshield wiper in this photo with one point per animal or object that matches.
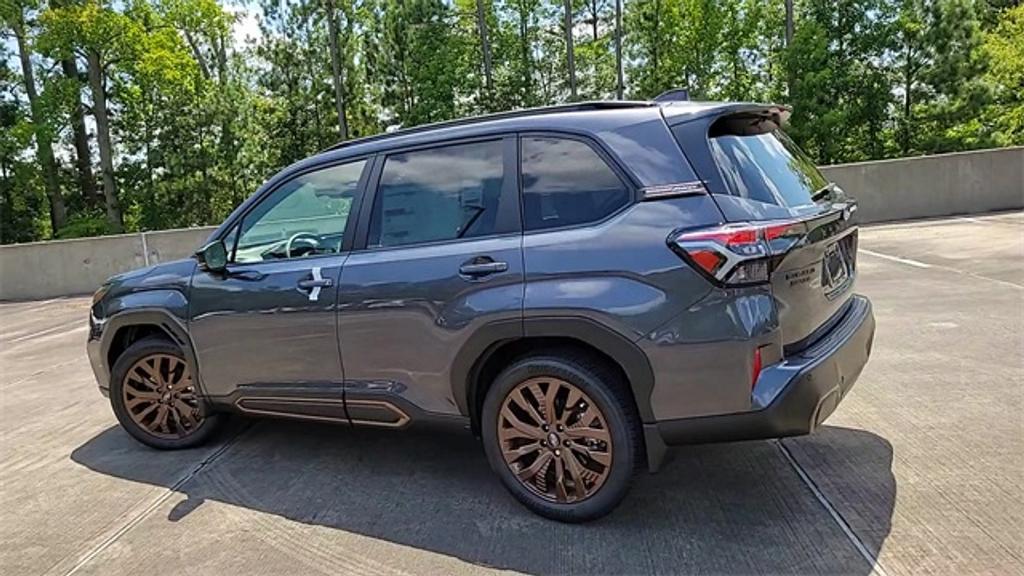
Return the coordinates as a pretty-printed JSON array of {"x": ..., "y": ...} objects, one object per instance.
[{"x": 823, "y": 191}]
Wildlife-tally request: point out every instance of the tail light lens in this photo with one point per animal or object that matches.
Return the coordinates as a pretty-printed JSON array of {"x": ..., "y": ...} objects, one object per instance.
[
  {"x": 755, "y": 368},
  {"x": 739, "y": 254}
]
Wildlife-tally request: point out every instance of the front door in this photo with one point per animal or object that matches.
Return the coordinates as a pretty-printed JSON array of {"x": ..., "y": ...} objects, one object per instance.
[
  {"x": 269, "y": 320},
  {"x": 442, "y": 258}
]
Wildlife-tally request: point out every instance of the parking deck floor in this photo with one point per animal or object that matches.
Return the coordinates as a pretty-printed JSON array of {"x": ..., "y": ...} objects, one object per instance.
[{"x": 920, "y": 470}]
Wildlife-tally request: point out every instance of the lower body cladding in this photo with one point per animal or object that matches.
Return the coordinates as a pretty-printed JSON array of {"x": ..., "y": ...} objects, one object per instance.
[
  {"x": 797, "y": 393},
  {"x": 333, "y": 404}
]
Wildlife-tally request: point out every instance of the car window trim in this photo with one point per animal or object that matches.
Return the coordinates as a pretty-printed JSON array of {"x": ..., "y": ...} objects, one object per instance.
[
  {"x": 607, "y": 157},
  {"x": 509, "y": 188},
  {"x": 237, "y": 222}
]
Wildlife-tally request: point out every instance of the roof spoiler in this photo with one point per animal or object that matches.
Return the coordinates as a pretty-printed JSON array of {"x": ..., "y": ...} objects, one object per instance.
[
  {"x": 776, "y": 114},
  {"x": 673, "y": 95},
  {"x": 780, "y": 113}
]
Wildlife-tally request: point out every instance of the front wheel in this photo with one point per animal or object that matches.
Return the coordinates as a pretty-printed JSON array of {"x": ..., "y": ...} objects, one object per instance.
[
  {"x": 562, "y": 434},
  {"x": 155, "y": 399}
]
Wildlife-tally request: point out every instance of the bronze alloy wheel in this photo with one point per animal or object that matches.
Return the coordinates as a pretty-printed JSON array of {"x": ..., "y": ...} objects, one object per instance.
[
  {"x": 555, "y": 440},
  {"x": 159, "y": 396}
]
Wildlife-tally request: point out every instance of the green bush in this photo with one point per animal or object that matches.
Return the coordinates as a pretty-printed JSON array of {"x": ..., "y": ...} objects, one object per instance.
[{"x": 84, "y": 226}]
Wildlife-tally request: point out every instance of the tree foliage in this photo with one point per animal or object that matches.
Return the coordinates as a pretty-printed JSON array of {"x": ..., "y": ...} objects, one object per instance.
[
  {"x": 147, "y": 114},
  {"x": 1004, "y": 47}
]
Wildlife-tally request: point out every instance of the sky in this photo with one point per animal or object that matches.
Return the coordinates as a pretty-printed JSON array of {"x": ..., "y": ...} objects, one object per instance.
[{"x": 247, "y": 26}]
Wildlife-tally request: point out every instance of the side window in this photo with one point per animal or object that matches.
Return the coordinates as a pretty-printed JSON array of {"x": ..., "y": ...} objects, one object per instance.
[
  {"x": 439, "y": 194},
  {"x": 566, "y": 183},
  {"x": 303, "y": 217}
]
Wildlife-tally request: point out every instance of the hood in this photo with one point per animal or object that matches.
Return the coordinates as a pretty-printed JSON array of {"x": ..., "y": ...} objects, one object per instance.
[{"x": 174, "y": 275}]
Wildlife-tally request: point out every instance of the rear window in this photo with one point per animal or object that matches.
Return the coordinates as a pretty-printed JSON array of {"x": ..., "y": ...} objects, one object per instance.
[
  {"x": 767, "y": 167},
  {"x": 566, "y": 183}
]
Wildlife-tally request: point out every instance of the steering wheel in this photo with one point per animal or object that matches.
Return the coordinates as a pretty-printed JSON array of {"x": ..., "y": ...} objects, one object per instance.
[{"x": 303, "y": 236}]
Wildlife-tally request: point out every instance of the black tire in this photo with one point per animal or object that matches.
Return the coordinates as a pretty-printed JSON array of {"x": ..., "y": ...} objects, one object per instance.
[
  {"x": 611, "y": 395},
  {"x": 208, "y": 425}
]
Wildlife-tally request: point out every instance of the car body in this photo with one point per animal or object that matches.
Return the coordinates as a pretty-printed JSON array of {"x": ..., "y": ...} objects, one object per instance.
[{"x": 684, "y": 256}]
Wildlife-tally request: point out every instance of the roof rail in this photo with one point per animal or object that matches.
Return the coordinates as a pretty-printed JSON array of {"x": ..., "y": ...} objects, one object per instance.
[{"x": 574, "y": 107}]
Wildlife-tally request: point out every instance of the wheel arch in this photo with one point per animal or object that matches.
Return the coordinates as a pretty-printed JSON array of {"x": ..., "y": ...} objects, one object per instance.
[
  {"x": 129, "y": 326},
  {"x": 492, "y": 347}
]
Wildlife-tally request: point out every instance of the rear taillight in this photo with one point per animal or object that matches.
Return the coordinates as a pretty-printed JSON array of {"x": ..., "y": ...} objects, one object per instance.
[
  {"x": 739, "y": 254},
  {"x": 755, "y": 368}
]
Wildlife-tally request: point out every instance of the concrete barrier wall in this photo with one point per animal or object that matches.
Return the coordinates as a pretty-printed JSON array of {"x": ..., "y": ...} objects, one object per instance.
[
  {"x": 66, "y": 267},
  {"x": 941, "y": 185},
  {"x": 167, "y": 245}
]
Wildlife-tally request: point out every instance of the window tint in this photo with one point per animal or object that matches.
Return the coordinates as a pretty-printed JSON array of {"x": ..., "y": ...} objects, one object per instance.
[
  {"x": 767, "y": 167},
  {"x": 565, "y": 183},
  {"x": 303, "y": 217},
  {"x": 439, "y": 194}
]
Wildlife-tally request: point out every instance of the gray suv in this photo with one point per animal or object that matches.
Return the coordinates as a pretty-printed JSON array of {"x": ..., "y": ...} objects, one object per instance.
[{"x": 578, "y": 285}]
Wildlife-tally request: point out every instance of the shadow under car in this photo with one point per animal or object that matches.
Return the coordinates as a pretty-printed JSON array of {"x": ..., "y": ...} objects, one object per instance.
[{"x": 724, "y": 508}]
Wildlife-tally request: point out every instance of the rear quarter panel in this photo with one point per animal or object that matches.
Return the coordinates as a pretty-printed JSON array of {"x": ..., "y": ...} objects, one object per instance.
[
  {"x": 621, "y": 272},
  {"x": 697, "y": 339}
]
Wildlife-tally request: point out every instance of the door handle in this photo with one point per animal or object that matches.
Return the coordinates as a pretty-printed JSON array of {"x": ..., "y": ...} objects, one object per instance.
[
  {"x": 314, "y": 284},
  {"x": 477, "y": 269},
  {"x": 321, "y": 283}
]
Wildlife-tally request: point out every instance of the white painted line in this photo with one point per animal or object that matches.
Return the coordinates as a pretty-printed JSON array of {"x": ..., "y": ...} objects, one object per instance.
[
  {"x": 138, "y": 518},
  {"x": 57, "y": 328},
  {"x": 917, "y": 264},
  {"x": 1012, "y": 216},
  {"x": 34, "y": 304},
  {"x": 969, "y": 219},
  {"x": 906, "y": 261},
  {"x": 876, "y": 567},
  {"x": 37, "y": 373}
]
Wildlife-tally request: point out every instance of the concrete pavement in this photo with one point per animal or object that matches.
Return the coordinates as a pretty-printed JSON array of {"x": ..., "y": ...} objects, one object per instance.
[{"x": 919, "y": 471}]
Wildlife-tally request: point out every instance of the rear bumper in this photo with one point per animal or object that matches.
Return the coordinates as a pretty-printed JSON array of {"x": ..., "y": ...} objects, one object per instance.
[{"x": 798, "y": 394}]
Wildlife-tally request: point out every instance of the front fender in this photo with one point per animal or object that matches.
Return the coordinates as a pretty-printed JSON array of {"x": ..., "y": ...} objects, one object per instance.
[{"x": 166, "y": 310}]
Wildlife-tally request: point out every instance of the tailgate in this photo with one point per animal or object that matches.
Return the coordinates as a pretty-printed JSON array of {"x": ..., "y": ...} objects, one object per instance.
[
  {"x": 813, "y": 281},
  {"x": 770, "y": 180}
]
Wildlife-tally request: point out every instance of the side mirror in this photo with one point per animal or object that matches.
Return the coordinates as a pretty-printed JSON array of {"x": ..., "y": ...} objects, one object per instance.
[{"x": 213, "y": 257}]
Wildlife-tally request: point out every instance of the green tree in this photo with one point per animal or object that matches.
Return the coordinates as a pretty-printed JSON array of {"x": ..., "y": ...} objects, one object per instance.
[
  {"x": 839, "y": 89},
  {"x": 21, "y": 194},
  {"x": 188, "y": 121},
  {"x": 595, "y": 50},
  {"x": 1004, "y": 47},
  {"x": 103, "y": 37},
  {"x": 948, "y": 118},
  {"x": 421, "y": 61},
  {"x": 747, "y": 51},
  {"x": 652, "y": 29},
  {"x": 15, "y": 16}
]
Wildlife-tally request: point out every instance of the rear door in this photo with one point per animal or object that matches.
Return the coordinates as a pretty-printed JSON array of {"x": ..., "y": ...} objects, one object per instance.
[
  {"x": 441, "y": 256},
  {"x": 757, "y": 174}
]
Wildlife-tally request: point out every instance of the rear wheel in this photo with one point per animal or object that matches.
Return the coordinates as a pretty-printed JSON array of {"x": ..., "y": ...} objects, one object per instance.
[
  {"x": 562, "y": 434},
  {"x": 155, "y": 399}
]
